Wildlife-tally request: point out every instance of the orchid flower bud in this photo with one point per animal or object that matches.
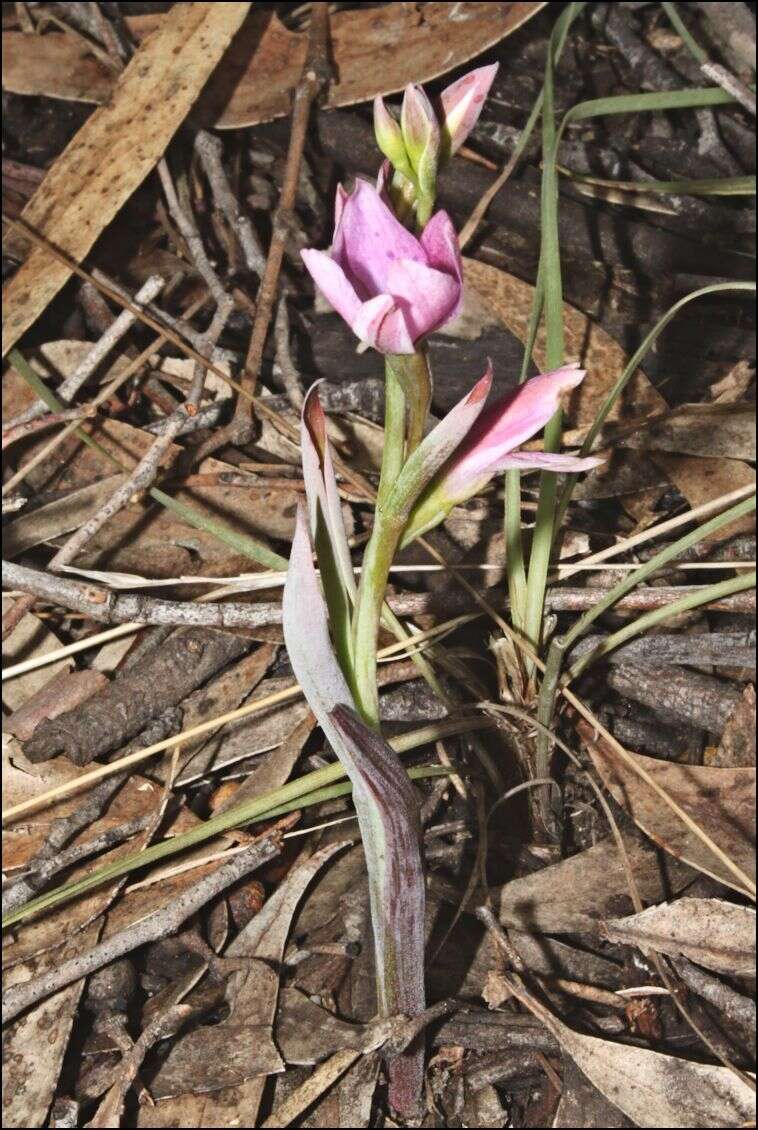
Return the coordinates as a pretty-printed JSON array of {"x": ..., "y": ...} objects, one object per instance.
[
  {"x": 421, "y": 134},
  {"x": 389, "y": 138},
  {"x": 461, "y": 104}
]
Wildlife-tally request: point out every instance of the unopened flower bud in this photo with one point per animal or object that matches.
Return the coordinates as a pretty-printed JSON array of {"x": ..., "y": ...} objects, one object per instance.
[
  {"x": 389, "y": 137},
  {"x": 421, "y": 134},
  {"x": 462, "y": 103}
]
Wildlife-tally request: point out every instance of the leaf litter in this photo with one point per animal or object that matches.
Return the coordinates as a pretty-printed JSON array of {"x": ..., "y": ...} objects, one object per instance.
[{"x": 267, "y": 1016}]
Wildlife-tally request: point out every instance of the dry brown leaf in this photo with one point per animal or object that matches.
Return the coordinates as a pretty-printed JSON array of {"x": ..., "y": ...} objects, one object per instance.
[
  {"x": 720, "y": 801},
  {"x": 714, "y": 933},
  {"x": 702, "y": 480},
  {"x": 375, "y": 51},
  {"x": 115, "y": 150},
  {"x": 231, "y": 1054},
  {"x": 659, "y": 1090},
  {"x": 33, "y": 1048},
  {"x": 58, "y": 517},
  {"x": 650, "y": 1088},
  {"x": 510, "y": 300},
  {"x": 29, "y": 639},
  {"x": 722, "y": 431},
  {"x": 576, "y": 894}
]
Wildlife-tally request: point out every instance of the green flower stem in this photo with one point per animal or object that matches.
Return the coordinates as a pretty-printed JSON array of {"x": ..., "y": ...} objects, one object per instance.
[
  {"x": 380, "y": 551},
  {"x": 411, "y": 370},
  {"x": 407, "y": 383}
]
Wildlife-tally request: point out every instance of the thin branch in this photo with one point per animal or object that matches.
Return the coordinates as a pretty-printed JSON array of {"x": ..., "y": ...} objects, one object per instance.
[
  {"x": 156, "y": 925},
  {"x": 209, "y": 149},
  {"x": 109, "y": 607},
  {"x": 191, "y": 236},
  {"x": 84, "y": 370},
  {"x": 146, "y": 470},
  {"x": 288, "y": 371},
  {"x": 315, "y": 76}
]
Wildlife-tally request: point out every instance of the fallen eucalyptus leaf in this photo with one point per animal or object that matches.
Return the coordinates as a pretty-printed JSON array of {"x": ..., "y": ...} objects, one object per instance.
[
  {"x": 115, "y": 150},
  {"x": 375, "y": 51},
  {"x": 714, "y": 933},
  {"x": 720, "y": 801}
]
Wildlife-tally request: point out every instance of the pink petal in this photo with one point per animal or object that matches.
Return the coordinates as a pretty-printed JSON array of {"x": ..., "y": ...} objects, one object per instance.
[
  {"x": 547, "y": 461},
  {"x": 514, "y": 419},
  {"x": 369, "y": 239},
  {"x": 381, "y": 324},
  {"x": 331, "y": 281},
  {"x": 440, "y": 242},
  {"x": 340, "y": 200},
  {"x": 427, "y": 297}
]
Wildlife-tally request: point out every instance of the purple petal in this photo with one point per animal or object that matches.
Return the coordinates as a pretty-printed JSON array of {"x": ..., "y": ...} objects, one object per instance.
[
  {"x": 440, "y": 242},
  {"x": 427, "y": 297},
  {"x": 331, "y": 281},
  {"x": 381, "y": 323},
  {"x": 369, "y": 239}
]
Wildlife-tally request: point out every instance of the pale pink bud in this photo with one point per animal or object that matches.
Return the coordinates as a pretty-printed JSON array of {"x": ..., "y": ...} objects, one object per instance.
[{"x": 462, "y": 103}]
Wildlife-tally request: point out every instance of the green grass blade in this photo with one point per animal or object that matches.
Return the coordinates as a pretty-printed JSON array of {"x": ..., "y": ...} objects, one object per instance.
[
  {"x": 658, "y": 615},
  {"x": 259, "y": 809}
]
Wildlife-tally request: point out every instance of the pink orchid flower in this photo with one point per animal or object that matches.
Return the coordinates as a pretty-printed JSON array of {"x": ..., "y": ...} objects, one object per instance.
[
  {"x": 391, "y": 288},
  {"x": 490, "y": 446}
]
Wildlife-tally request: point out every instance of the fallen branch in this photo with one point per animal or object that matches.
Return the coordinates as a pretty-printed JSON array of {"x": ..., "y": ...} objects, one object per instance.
[
  {"x": 156, "y": 925},
  {"x": 110, "y": 607}
]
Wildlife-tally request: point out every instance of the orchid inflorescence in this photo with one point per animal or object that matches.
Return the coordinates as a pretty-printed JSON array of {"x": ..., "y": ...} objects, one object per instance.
[{"x": 394, "y": 274}]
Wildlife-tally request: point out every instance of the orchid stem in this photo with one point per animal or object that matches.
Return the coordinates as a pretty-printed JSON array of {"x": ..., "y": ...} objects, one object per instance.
[{"x": 381, "y": 548}]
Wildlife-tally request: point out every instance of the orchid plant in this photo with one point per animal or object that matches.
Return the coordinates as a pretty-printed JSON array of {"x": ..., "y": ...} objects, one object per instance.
[{"x": 394, "y": 274}]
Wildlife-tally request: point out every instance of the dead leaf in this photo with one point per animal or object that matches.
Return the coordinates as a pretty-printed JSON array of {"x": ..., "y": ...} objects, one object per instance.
[
  {"x": 659, "y": 1090},
  {"x": 723, "y": 431},
  {"x": 720, "y": 801},
  {"x": 115, "y": 150},
  {"x": 581, "y": 1104},
  {"x": 306, "y": 1033},
  {"x": 714, "y": 933},
  {"x": 510, "y": 299},
  {"x": 249, "y": 736},
  {"x": 28, "y": 640},
  {"x": 33, "y": 1049},
  {"x": 241, "y": 1048},
  {"x": 375, "y": 51},
  {"x": 702, "y": 480},
  {"x": 58, "y": 517},
  {"x": 576, "y": 894}
]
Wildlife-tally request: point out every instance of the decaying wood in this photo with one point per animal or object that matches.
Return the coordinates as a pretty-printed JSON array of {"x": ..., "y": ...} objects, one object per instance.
[
  {"x": 109, "y": 719},
  {"x": 675, "y": 692}
]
